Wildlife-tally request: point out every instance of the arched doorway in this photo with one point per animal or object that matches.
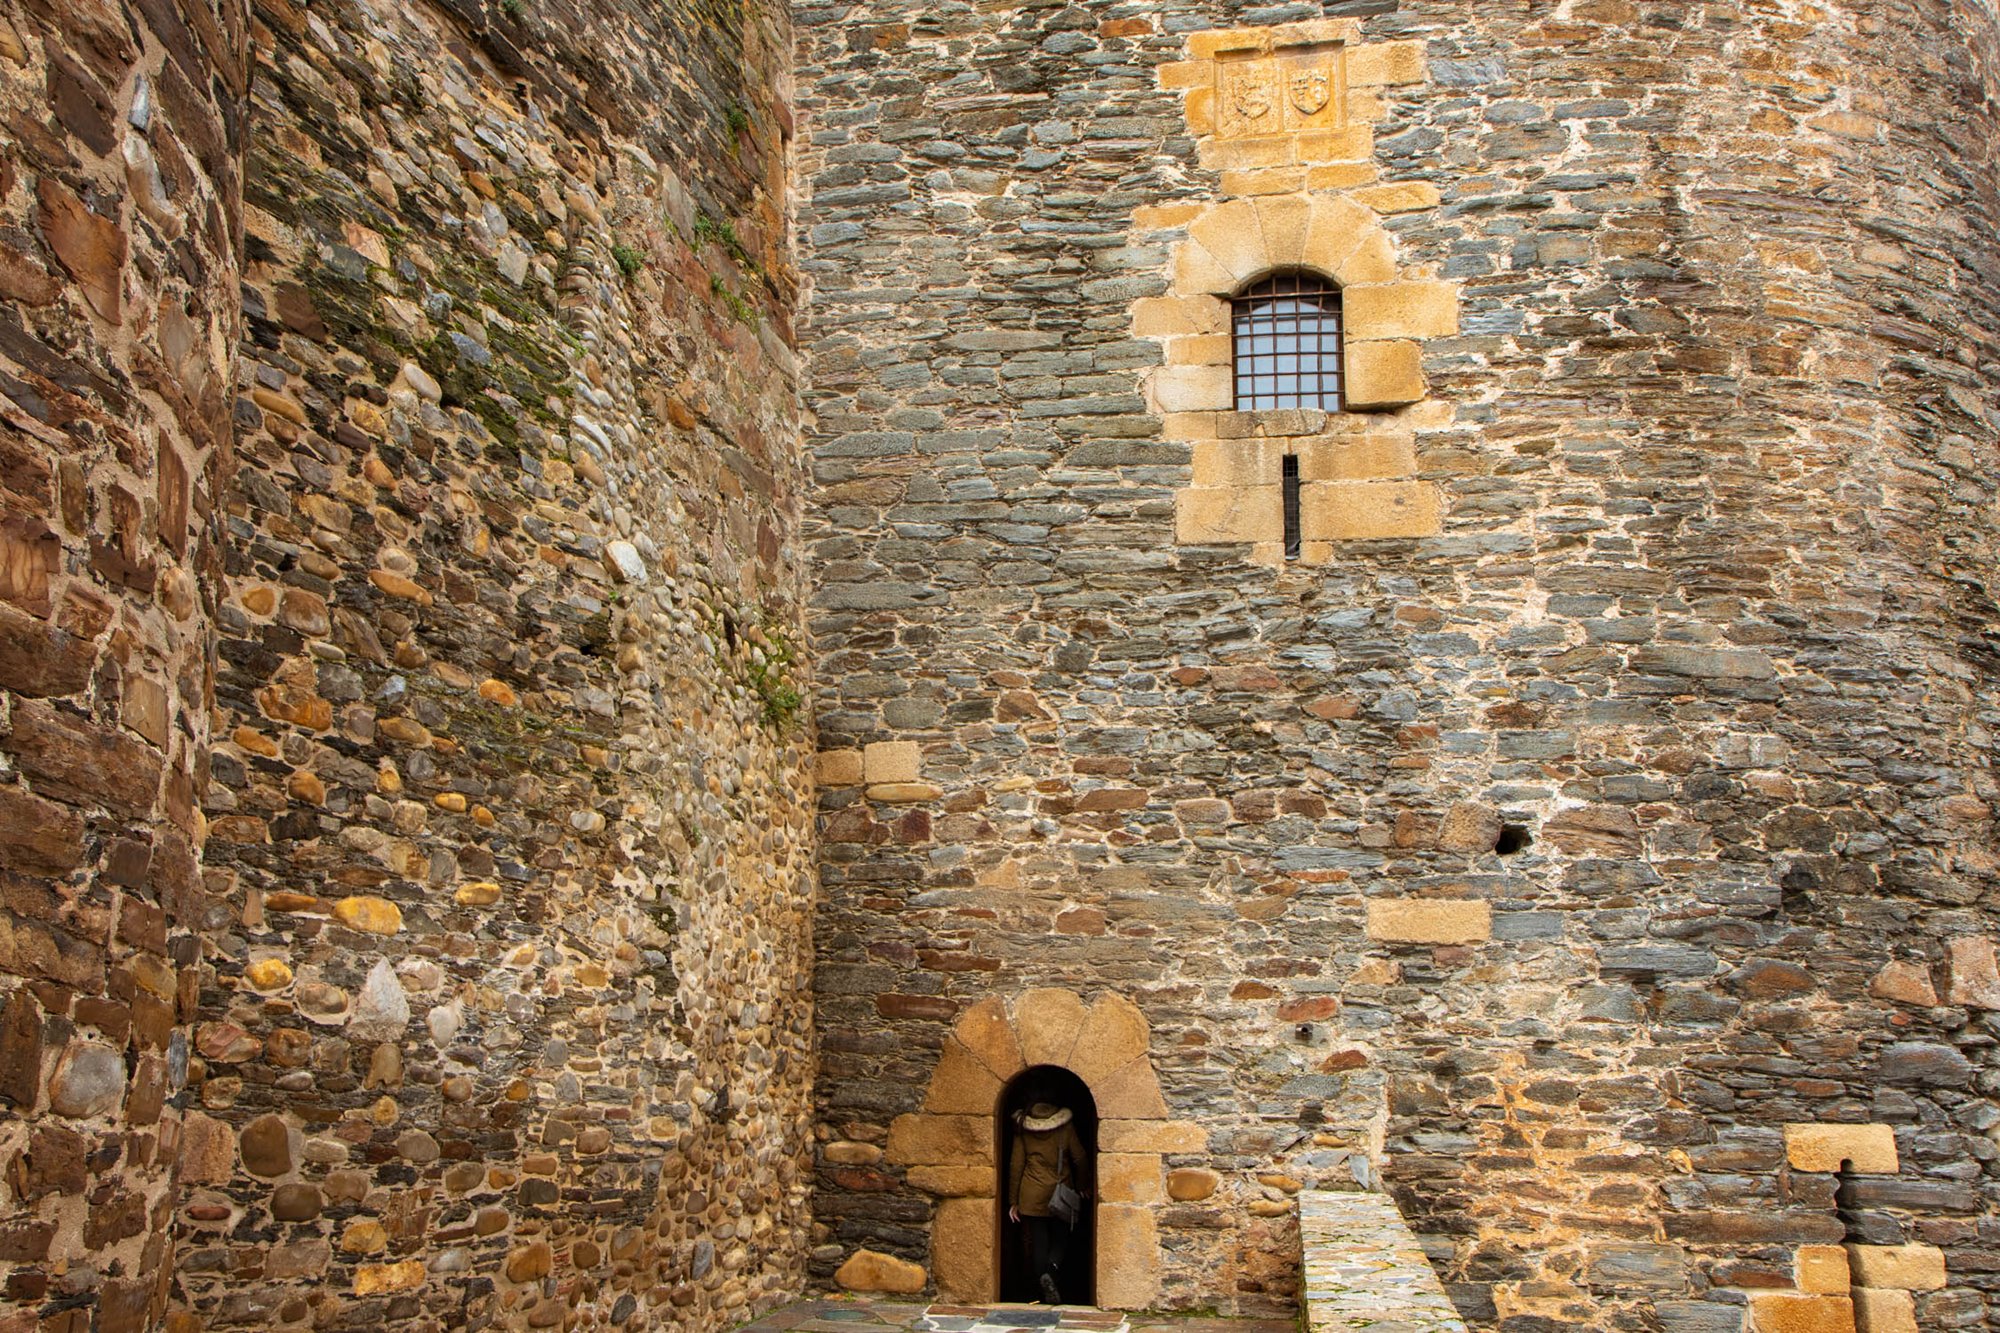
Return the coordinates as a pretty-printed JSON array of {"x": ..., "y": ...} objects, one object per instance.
[
  {"x": 950, "y": 1149},
  {"x": 1077, "y": 1276}
]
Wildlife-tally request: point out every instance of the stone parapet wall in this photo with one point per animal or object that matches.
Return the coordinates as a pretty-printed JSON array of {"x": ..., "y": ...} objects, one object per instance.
[
  {"x": 1362, "y": 1268},
  {"x": 1700, "y": 638}
]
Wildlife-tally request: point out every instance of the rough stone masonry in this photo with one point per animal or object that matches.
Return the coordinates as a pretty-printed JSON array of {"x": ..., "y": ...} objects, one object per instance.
[
  {"x": 404, "y": 805},
  {"x": 612, "y": 615},
  {"x": 1600, "y": 805}
]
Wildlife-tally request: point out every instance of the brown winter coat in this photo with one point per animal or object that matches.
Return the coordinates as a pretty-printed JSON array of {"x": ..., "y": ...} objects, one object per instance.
[{"x": 1032, "y": 1166}]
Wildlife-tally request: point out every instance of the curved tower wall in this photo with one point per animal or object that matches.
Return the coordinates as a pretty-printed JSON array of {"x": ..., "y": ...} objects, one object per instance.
[
  {"x": 1689, "y": 580},
  {"x": 405, "y": 872}
]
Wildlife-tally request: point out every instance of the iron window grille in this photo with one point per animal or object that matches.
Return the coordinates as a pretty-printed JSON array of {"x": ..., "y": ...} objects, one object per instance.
[{"x": 1287, "y": 343}]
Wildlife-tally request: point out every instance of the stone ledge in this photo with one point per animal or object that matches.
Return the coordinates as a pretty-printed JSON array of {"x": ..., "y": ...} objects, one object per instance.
[{"x": 1365, "y": 1270}]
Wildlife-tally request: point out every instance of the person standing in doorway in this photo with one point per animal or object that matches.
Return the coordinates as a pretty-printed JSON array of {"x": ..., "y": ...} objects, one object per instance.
[{"x": 1046, "y": 1152}]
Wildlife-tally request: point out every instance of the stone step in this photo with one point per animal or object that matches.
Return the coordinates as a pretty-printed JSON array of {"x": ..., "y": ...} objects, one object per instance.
[{"x": 1020, "y": 1319}]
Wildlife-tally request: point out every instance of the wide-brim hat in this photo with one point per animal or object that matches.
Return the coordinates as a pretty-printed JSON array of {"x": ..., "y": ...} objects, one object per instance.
[{"x": 1044, "y": 1116}]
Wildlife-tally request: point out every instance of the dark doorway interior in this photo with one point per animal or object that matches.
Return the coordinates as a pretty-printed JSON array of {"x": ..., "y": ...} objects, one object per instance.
[{"x": 1078, "y": 1278}]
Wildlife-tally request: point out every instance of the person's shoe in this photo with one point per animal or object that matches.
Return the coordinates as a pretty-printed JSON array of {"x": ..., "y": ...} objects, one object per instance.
[{"x": 1049, "y": 1292}]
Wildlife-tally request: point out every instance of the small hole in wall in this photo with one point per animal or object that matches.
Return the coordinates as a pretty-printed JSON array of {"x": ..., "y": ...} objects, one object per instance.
[{"x": 1513, "y": 838}]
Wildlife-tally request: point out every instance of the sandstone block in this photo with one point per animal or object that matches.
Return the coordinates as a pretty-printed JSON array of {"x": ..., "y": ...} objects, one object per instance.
[
  {"x": 1129, "y": 1178},
  {"x": 1192, "y": 1183},
  {"x": 1973, "y": 978},
  {"x": 377, "y": 916},
  {"x": 1367, "y": 510},
  {"x": 1230, "y": 233},
  {"x": 941, "y": 1140},
  {"x": 867, "y": 1270},
  {"x": 1884, "y": 1311},
  {"x": 1199, "y": 273},
  {"x": 1400, "y": 197},
  {"x": 1283, "y": 222},
  {"x": 1336, "y": 229},
  {"x": 1469, "y": 827},
  {"x": 1408, "y": 309},
  {"x": 1797, "y": 1312},
  {"x": 1179, "y": 316},
  {"x": 1192, "y": 388},
  {"x": 1385, "y": 457},
  {"x": 208, "y": 1150},
  {"x": 1131, "y": 1093},
  {"x": 962, "y": 1250},
  {"x": 1383, "y": 374},
  {"x": 903, "y": 793},
  {"x": 1870, "y": 1148},
  {"x": 1204, "y": 515},
  {"x": 840, "y": 768},
  {"x": 891, "y": 761},
  {"x": 1430, "y": 920},
  {"x": 1904, "y": 1267},
  {"x": 969, "y": 1182},
  {"x": 1905, "y": 983},
  {"x": 1128, "y": 1257},
  {"x": 1821, "y": 1270},
  {"x": 961, "y": 1084},
  {"x": 1354, "y": 143},
  {"x": 1234, "y": 464},
  {"x": 1047, "y": 1022},
  {"x": 372, "y": 1279},
  {"x": 1157, "y": 1136},
  {"x": 1385, "y": 64},
  {"x": 987, "y": 1033},
  {"x": 1113, "y": 1035}
]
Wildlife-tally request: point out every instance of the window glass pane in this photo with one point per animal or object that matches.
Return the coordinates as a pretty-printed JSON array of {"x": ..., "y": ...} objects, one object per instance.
[{"x": 1287, "y": 344}]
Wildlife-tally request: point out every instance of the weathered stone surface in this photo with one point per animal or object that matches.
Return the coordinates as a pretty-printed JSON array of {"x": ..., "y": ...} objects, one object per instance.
[
  {"x": 941, "y": 1140},
  {"x": 1973, "y": 976},
  {"x": 1129, "y": 1257},
  {"x": 1047, "y": 1022},
  {"x": 266, "y": 1144},
  {"x": 89, "y": 1080},
  {"x": 382, "y": 1008},
  {"x": 1830, "y": 1147},
  {"x": 866, "y": 1270},
  {"x": 971, "y": 1182},
  {"x": 1821, "y": 1270},
  {"x": 1793, "y": 1312},
  {"x": 1430, "y": 921},
  {"x": 963, "y": 1258},
  {"x": 1914, "y": 1267},
  {"x": 1113, "y": 1034},
  {"x": 1885, "y": 1312},
  {"x": 1130, "y": 1178},
  {"x": 987, "y": 1031},
  {"x": 961, "y": 1085}
]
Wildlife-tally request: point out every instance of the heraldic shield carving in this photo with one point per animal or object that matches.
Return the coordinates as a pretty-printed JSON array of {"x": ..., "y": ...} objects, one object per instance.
[{"x": 1279, "y": 93}]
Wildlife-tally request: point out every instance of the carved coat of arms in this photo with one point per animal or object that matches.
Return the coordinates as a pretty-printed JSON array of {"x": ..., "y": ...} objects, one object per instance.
[
  {"x": 1310, "y": 89},
  {"x": 1251, "y": 95}
]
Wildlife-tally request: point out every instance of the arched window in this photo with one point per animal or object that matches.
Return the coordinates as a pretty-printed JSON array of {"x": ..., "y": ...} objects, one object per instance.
[{"x": 1287, "y": 331}]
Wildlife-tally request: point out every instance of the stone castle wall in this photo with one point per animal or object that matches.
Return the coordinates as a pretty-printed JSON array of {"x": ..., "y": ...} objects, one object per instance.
[
  {"x": 1702, "y": 609},
  {"x": 403, "y": 773}
]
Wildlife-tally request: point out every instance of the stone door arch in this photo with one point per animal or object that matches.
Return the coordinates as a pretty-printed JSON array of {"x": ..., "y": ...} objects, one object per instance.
[{"x": 948, "y": 1149}]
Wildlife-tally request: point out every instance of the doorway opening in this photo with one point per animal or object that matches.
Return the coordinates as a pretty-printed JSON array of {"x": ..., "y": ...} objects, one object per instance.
[{"x": 1077, "y": 1276}]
